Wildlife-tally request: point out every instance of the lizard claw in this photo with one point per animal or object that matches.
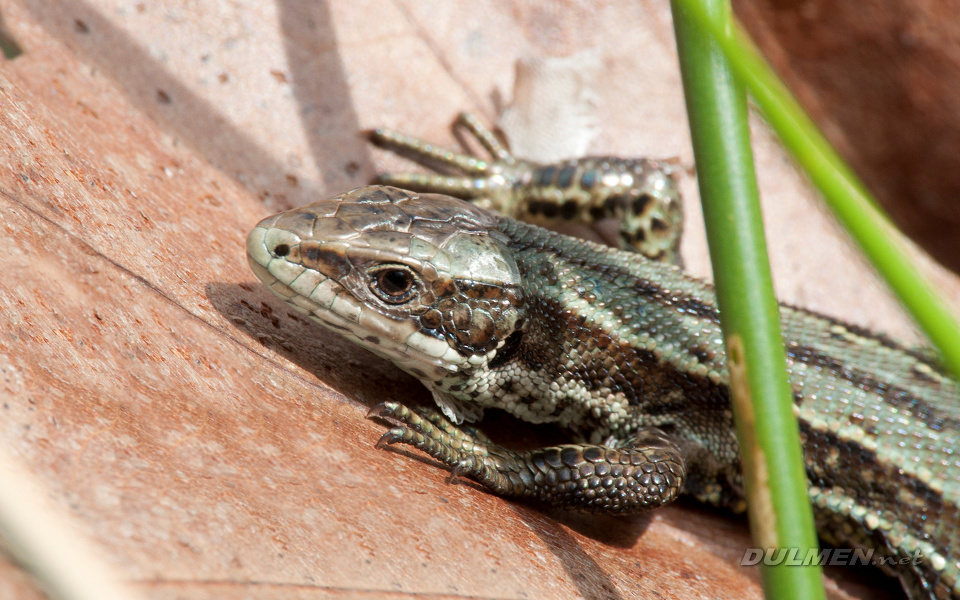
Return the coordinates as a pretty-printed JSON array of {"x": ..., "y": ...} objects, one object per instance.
[
  {"x": 383, "y": 410},
  {"x": 391, "y": 437},
  {"x": 456, "y": 472}
]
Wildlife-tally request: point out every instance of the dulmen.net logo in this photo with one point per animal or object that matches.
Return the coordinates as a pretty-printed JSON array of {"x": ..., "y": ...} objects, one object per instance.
[{"x": 843, "y": 557}]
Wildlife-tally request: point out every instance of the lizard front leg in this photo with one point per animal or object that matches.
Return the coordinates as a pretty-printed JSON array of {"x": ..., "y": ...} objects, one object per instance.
[{"x": 638, "y": 474}]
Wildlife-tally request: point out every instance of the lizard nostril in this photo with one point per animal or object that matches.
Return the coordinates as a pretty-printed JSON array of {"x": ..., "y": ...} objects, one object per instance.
[{"x": 281, "y": 250}]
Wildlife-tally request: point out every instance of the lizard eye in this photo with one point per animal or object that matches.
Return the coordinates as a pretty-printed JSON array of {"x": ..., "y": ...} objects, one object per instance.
[{"x": 394, "y": 284}]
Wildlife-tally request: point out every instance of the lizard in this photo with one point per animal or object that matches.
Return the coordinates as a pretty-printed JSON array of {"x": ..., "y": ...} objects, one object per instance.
[{"x": 626, "y": 353}]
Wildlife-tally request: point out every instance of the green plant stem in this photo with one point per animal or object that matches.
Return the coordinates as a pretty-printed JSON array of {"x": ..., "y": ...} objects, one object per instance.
[
  {"x": 842, "y": 190},
  {"x": 776, "y": 485}
]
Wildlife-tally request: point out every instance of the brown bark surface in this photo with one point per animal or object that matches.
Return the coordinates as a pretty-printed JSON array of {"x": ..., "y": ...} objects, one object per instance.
[{"x": 212, "y": 442}]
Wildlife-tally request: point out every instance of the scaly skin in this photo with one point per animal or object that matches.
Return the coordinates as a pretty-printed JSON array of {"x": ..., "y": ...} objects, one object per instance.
[
  {"x": 641, "y": 194},
  {"x": 626, "y": 354}
]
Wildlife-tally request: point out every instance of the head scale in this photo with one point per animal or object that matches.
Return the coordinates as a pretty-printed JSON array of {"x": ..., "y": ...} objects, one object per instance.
[{"x": 422, "y": 279}]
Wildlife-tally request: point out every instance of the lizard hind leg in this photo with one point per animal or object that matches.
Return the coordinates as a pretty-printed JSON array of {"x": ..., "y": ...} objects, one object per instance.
[
  {"x": 488, "y": 182},
  {"x": 642, "y": 473},
  {"x": 467, "y": 185}
]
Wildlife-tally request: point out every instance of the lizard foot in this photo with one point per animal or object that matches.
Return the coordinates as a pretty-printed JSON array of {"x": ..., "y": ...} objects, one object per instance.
[{"x": 641, "y": 473}]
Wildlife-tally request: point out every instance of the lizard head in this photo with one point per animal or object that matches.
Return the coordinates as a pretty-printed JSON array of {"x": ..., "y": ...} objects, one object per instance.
[{"x": 424, "y": 280}]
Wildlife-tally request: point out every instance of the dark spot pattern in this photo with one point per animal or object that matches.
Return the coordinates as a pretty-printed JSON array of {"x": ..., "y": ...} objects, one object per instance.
[
  {"x": 641, "y": 203},
  {"x": 569, "y": 210},
  {"x": 332, "y": 263},
  {"x": 507, "y": 352},
  {"x": 589, "y": 179},
  {"x": 545, "y": 176},
  {"x": 565, "y": 178}
]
